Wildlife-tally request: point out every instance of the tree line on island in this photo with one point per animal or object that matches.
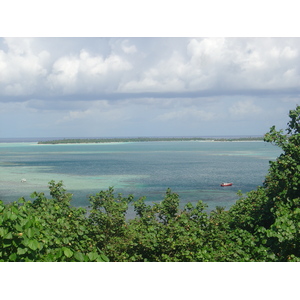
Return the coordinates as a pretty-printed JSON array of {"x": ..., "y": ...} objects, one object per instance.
[
  {"x": 263, "y": 225},
  {"x": 146, "y": 139}
]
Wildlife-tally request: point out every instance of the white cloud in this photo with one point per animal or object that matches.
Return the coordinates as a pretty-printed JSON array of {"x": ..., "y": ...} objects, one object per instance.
[
  {"x": 86, "y": 73},
  {"x": 19, "y": 46},
  {"x": 64, "y": 74},
  {"x": 22, "y": 71},
  {"x": 165, "y": 76},
  {"x": 127, "y": 48},
  {"x": 220, "y": 63},
  {"x": 160, "y": 65}
]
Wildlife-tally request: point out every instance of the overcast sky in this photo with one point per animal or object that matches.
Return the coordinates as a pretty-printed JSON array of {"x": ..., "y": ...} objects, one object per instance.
[{"x": 105, "y": 87}]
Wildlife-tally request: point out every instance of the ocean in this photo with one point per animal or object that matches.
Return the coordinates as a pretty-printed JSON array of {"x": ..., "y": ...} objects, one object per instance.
[{"x": 193, "y": 169}]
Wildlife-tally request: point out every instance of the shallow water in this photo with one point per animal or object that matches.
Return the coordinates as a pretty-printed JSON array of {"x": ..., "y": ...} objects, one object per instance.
[{"x": 192, "y": 169}]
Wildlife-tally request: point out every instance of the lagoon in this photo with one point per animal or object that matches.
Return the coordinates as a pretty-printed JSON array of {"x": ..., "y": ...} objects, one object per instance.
[{"x": 193, "y": 169}]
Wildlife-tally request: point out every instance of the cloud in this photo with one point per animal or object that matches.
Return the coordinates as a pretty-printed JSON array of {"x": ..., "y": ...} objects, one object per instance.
[
  {"x": 127, "y": 48},
  {"x": 221, "y": 65},
  {"x": 246, "y": 108},
  {"x": 34, "y": 68},
  {"x": 22, "y": 72},
  {"x": 127, "y": 85},
  {"x": 86, "y": 73}
]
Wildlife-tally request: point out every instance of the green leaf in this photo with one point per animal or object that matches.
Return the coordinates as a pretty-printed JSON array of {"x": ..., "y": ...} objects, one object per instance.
[
  {"x": 8, "y": 236},
  {"x": 79, "y": 256},
  {"x": 13, "y": 216},
  {"x": 65, "y": 240},
  {"x": 21, "y": 200},
  {"x": 13, "y": 257},
  {"x": 15, "y": 210},
  {"x": 28, "y": 223},
  {"x": 33, "y": 244},
  {"x": 68, "y": 253},
  {"x": 29, "y": 232},
  {"x": 7, "y": 215},
  {"x": 102, "y": 258},
  {"x": 19, "y": 228},
  {"x": 3, "y": 231},
  {"x": 93, "y": 256},
  {"x": 21, "y": 251},
  {"x": 59, "y": 253}
]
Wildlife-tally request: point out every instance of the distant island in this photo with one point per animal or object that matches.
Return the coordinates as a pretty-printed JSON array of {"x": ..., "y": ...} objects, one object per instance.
[{"x": 148, "y": 139}]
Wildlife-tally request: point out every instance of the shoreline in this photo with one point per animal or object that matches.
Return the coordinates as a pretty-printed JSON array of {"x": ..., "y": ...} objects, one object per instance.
[{"x": 130, "y": 140}]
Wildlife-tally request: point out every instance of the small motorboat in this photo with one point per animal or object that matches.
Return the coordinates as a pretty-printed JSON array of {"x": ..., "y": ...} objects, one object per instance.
[{"x": 226, "y": 184}]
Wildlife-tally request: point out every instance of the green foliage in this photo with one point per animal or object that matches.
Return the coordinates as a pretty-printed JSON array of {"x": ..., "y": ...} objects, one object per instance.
[
  {"x": 272, "y": 213},
  {"x": 46, "y": 230},
  {"x": 107, "y": 221},
  {"x": 283, "y": 180},
  {"x": 263, "y": 225},
  {"x": 163, "y": 232}
]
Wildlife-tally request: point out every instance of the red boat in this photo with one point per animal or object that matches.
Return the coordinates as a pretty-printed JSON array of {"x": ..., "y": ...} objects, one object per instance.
[{"x": 226, "y": 184}]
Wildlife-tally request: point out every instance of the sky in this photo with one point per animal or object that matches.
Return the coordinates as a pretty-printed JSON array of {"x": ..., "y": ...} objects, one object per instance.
[
  {"x": 146, "y": 86},
  {"x": 124, "y": 68}
]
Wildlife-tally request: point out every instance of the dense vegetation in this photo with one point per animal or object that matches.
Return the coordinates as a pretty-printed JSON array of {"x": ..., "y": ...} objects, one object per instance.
[
  {"x": 263, "y": 225},
  {"x": 146, "y": 139}
]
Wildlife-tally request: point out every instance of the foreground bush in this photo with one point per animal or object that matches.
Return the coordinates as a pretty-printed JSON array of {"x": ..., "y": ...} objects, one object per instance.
[{"x": 46, "y": 230}]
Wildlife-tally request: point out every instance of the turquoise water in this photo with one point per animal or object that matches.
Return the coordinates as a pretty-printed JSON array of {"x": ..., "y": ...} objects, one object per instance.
[{"x": 192, "y": 169}]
